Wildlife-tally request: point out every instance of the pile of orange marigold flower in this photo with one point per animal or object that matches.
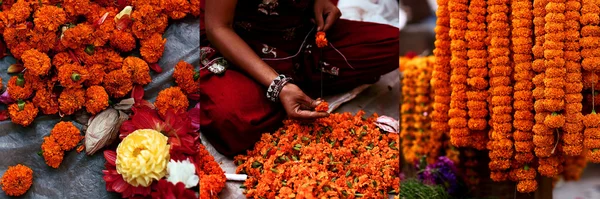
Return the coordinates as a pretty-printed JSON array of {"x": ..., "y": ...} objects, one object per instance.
[
  {"x": 341, "y": 156},
  {"x": 77, "y": 55},
  {"x": 63, "y": 137},
  {"x": 520, "y": 79}
]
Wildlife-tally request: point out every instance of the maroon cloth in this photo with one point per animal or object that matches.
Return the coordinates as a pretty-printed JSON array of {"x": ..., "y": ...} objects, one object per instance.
[{"x": 234, "y": 108}]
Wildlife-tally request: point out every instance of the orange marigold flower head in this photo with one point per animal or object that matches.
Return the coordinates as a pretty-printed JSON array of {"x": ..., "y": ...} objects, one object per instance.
[
  {"x": 19, "y": 11},
  {"x": 322, "y": 107},
  {"x": 118, "y": 83},
  {"x": 97, "y": 99},
  {"x": 18, "y": 88},
  {"x": 49, "y": 18},
  {"x": 72, "y": 75},
  {"x": 97, "y": 73},
  {"x": 66, "y": 135},
  {"x": 61, "y": 59},
  {"x": 122, "y": 41},
  {"x": 186, "y": 78},
  {"x": 527, "y": 186},
  {"x": 52, "y": 152},
  {"x": 46, "y": 101},
  {"x": 71, "y": 100},
  {"x": 17, "y": 51},
  {"x": 139, "y": 70},
  {"x": 108, "y": 58},
  {"x": 22, "y": 113},
  {"x": 171, "y": 99},
  {"x": 76, "y": 7},
  {"x": 321, "y": 41},
  {"x": 555, "y": 120},
  {"x": 42, "y": 41},
  {"x": 152, "y": 48},
  {"x": 78, "y": 36},
  {"x": 195, "y": 7},
  {"x": 148, "y": 20},
  {"x": 176, "y": 9},
  {"x": 591, "y": 120},
  {"x": 36, "y": 62},
  {"x": 17, "y": 180}
]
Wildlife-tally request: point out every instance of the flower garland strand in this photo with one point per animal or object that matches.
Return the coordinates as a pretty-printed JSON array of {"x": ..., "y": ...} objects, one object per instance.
[
  {"x": 523, "y": 116},
  {"x": 459, "y": 132},
  {"x": 500, "y": 144},
  {"x": 589, "y": 42},
  {"x": 554, "y": 93},
  {"x": 421, "y": 137},
  {"x": 435, "y": 139},
  {"x": 572, "y": 138},
  {"x": 407, "y": 132},
  {"x": 477, "y": 64},
  {"x": 440, "y": 81},
  {"x": 574, "y": 166},
  {"x": 423, "y": 108},
  {"x": 540, "y": 130}
]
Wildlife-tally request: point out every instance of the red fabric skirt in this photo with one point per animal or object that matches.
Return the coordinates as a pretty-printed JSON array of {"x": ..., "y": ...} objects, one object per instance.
[{"x": 234, "y": 108}]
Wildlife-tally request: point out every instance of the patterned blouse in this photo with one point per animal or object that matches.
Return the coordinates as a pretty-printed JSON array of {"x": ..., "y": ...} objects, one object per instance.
[{"x": 273, "y": 18}]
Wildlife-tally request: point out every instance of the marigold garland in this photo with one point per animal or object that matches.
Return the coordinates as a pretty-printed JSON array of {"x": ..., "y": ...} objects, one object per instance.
[
  {"x": 552, "y": 47},
  {"x": 478, "y": 72},
  {"x": 523, "y": 97},
  {"x": 338, "y": 156},
  {"x": 408, "y": 114},
  {"x": 459, "y": 131},
  {"x": 440, "y": 81},
  {"x": 17, "y": 180},
  {"x": 501, "y": 101}
]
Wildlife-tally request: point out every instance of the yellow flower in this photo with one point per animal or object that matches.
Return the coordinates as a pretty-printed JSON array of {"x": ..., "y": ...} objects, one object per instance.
[{"x": 142, "y": 157}]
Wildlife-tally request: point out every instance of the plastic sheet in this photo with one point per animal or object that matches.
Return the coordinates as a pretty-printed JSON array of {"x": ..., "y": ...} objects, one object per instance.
[{"x": 79, "y": 175}]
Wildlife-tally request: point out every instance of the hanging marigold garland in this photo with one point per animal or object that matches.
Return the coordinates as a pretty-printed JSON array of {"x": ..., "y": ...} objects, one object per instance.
[
  {"x": 589, "y": 43},
  {"x": 459, "y": 132},
  {"x": 572, "y": 138},
  {"x": 440, "y": 81},
  {"x": 500, "y": 144},
  {"x": 478, "y": 72},
  {"x": 408, "y": 132},
  {"x": 574, "y": 166},
  {"x": 554, "y": 93},
  {"x": 523, "y": 104}
]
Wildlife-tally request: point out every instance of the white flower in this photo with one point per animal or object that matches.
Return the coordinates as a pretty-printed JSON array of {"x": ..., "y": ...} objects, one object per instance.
[{"x": 182, "y": 171}]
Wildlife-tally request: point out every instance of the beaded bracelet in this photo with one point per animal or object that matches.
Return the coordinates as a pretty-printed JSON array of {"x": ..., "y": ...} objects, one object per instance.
[{"x": 276, "y": 87}]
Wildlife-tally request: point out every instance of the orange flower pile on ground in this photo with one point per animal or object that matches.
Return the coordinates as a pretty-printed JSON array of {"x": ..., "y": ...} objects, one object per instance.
[
  {"x": 537, "y": 60},
  {"x": 17, "y": 180},
  {"x": 212, "y": 177},
  {"x": 65, "y": 47},
  {"x": 63, "y": 137},
  {"x": 342, "y": 156}
]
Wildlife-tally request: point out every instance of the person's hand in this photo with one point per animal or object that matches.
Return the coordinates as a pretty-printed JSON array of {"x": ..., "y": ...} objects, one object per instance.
[
  {"x": 298, "y": 105},
  {"x": 325, "y": 14}
]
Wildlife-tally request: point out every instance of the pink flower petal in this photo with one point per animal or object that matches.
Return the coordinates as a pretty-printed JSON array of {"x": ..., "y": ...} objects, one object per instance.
[
  {"x": 100, "y": 21},
  {"x": 5, "y": 98}
]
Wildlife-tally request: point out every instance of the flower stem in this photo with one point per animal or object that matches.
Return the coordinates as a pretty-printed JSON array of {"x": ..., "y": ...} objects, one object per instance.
[{"x": 75, "y": 76}]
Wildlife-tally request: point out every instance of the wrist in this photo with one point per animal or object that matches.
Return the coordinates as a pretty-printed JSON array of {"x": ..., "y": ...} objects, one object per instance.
[{"x": 277, "y": 86}]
